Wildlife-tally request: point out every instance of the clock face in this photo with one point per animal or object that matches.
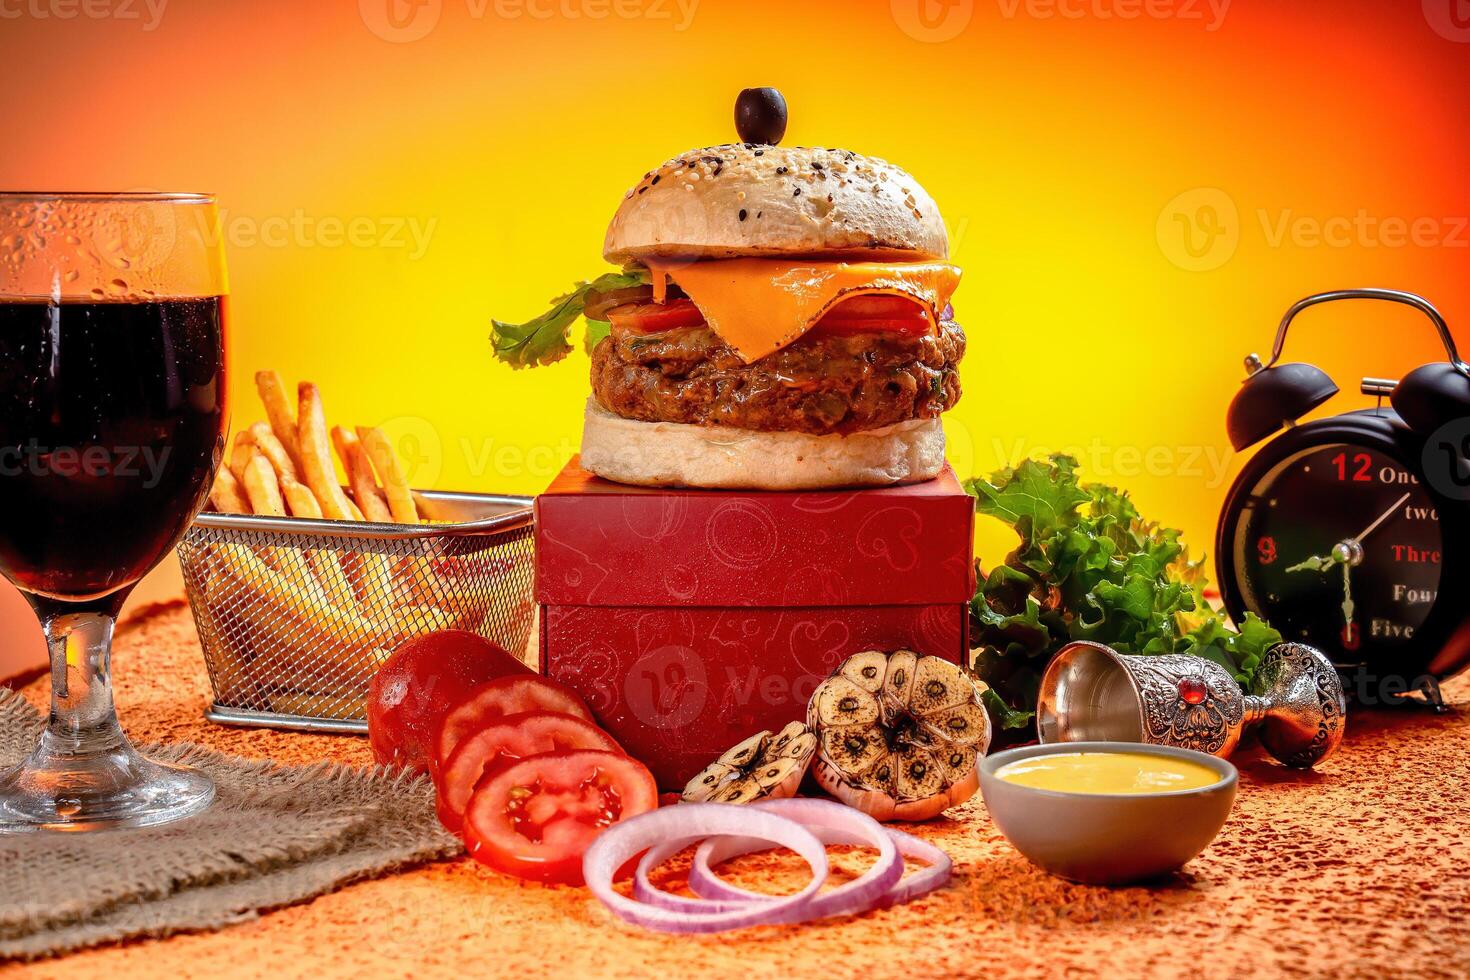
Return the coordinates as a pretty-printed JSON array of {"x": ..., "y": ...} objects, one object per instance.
[{"x": 1340, "y": 546}]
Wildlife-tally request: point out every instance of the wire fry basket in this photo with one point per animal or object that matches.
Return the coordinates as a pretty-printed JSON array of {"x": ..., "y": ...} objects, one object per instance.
[{"x": 296, "y": 616}]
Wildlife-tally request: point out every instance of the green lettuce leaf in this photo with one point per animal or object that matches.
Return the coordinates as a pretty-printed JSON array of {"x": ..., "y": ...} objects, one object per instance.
[
  {"x": 1089, "y": 567},
  {"x": 544, "y": 340},
  {"x": 1002, "y": 714},
  {"x": 1031, "y": 491},
  {"x": 596, "y": 331}
]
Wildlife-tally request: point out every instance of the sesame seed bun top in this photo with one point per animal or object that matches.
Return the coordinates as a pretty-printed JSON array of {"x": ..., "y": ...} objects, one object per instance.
[{"x": 744, "y": 199}]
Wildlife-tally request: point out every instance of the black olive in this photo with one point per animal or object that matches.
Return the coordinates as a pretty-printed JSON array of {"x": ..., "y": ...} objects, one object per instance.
[{"x": 760, "y": 115}]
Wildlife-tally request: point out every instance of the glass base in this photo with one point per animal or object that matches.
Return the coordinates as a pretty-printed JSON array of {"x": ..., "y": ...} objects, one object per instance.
[{"x": 98, "y": 791}]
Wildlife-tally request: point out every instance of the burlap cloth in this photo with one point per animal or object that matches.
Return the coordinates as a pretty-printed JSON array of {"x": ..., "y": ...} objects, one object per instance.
[
  {"x": 1359, "y": 870},
  {"x": 275, "y": 835}
]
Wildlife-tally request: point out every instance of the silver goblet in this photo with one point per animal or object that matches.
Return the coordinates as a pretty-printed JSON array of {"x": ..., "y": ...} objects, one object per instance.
[{"x": 1092, "y": 693}]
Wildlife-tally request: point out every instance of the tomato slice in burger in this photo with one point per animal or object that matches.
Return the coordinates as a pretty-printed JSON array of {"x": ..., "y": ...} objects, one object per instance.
[
  {"x": 493, "y": 701},
  {"x": 507, "y": 740},
  {"x": 655, "y": 317},
  {"x": 876, "y": 314},
  {"x": 535, "y": 818}
]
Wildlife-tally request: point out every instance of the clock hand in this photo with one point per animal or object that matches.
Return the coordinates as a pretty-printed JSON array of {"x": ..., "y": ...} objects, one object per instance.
[
  {"x": 1316, "y": 563},
  {"x": 1347, "y": 597},
  {"x": 1382, "y": 517},
  {"x": 1348, "y": 552}
]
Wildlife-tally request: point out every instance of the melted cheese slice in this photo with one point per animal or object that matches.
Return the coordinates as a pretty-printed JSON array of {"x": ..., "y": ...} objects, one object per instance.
[{"x": 758, "y": 306}]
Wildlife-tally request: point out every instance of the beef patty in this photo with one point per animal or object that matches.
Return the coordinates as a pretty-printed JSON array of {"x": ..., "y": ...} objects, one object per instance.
[{"x": 820, "y": 384}]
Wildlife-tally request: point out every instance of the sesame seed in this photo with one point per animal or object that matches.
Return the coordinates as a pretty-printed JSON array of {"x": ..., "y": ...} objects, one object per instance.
[
  {"x": 742, "y": 214},
  {"x": 656, "y": 178}
]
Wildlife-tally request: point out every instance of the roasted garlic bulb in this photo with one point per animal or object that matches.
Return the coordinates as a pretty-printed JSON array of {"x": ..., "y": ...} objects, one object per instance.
[
  {"x": 898, "y": 734},
  {"x": 764, "y": 766}
]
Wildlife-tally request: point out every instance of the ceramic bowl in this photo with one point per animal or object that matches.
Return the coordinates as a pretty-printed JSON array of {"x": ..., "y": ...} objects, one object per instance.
[{"x": 1107, "y": 838}]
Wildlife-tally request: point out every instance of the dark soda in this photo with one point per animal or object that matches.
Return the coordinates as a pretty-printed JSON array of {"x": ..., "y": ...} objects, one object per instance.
[{"x": 112, "y": 418}]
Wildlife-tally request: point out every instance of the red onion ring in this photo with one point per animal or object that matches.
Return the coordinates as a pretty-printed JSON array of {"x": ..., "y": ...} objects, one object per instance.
[
  {"x": 626, "y": 839},
  {"x": 832, "y": 823},
  {"x": 704, "y": 882}
]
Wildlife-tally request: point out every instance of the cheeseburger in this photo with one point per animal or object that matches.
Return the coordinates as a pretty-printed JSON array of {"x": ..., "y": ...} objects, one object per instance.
[{"x": 782, "y": 320}]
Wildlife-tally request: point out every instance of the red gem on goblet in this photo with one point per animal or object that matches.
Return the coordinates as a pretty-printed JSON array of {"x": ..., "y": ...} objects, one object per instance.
[{"x": 1192, "y": 690}]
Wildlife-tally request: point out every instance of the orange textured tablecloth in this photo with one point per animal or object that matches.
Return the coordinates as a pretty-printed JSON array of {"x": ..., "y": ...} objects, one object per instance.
[{"x": 1361, "y": 869}]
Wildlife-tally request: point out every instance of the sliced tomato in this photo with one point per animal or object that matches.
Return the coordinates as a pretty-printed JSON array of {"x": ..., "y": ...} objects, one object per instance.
[
  {"x": 882, "y": 306},
  {"x": 841, "y": 326},
  {"x": 656, "y": 317},
  {"x": 491, "y": 702},
  {"x": 423, "y": 678},
  {"x": 535, "y": 818},
  {"x": 512, "y": 737},
  {"x": 875, "y": 314}
]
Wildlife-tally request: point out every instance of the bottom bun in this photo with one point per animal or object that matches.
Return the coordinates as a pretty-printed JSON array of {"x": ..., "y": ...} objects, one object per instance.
[{"x": 673, "y": 454}]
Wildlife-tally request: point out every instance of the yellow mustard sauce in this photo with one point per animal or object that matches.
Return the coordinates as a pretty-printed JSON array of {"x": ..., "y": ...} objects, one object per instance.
[{"x": 1108, "y": 772}]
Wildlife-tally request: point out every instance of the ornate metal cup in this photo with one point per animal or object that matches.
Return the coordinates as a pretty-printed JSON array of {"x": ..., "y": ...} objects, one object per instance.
[{"x": 1090, "y": 692}]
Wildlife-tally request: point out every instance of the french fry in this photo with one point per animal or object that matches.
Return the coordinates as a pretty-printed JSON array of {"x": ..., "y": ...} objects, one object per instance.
[
  {"x": 264, "y": 491},
  {"x": 334, "y": 582},
  {"x": 316, "y": 456},
  {"x": 262, "y": 488},
  {"x": 227, "y": 495},
  {"x": 278, "y": 411},
  {"x": 300, "y": 570},
  {"x": 318, "y": 640},
  {"x": 240, "y": 454},
  {"x": 299, "y": 499},
  {"x": 229, "y": 664},
  {"x": 287, "y": 618},
  {"x": 360, "y": 477},
  {"x": 373, "y": 584},
  {"x": 385, "y": 461},
  {"x": 274, "y": 450},
  {"x": 318, "y": 618}
]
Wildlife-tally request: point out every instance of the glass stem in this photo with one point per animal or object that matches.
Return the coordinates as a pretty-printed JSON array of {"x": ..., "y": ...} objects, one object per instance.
[{"x": 83, "y": 720}]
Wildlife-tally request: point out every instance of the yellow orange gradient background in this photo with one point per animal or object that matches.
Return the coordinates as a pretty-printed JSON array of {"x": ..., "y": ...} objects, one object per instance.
[{"x": 1070, "y": 144}]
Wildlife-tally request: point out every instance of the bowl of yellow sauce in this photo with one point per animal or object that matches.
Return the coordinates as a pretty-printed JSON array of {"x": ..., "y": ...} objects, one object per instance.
[{"x": 1108, "y": 813}]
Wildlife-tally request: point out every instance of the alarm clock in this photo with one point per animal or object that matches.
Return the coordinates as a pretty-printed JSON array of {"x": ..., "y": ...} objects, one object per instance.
[{"x": 1352, "y": 533}]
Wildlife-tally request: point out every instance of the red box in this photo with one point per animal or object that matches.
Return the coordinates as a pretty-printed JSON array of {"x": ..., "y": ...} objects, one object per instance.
[{"x": 691, "y": 619}]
